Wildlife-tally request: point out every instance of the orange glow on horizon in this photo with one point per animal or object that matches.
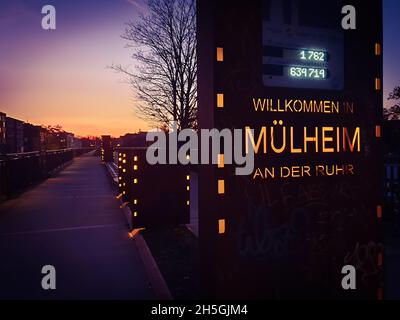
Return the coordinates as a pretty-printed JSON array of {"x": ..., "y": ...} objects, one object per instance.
[{"x": 65, "y": 80}]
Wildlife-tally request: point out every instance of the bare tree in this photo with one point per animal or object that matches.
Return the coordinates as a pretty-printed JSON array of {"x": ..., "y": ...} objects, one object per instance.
[
  {"x": 393, "y": 112},
  {"x": 165, "y": 76}
]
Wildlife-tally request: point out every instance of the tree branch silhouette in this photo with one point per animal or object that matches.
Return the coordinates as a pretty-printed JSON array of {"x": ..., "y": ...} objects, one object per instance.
[
  {"x": 393, "y": 112},
  {"x": 165, "y": 77}
]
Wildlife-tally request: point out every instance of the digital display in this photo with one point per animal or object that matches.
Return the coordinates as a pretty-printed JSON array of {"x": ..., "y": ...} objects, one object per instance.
[
  {"x": 308, "y": 73},
  {"x": 293, "y": 52}
]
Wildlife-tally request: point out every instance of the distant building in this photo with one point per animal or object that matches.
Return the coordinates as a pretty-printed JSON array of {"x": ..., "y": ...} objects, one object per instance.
[
  {"x": 69, "y": 140},
  {"x": 58, "y": 139},
  {"x": 34, "y": 138},
  {"x": 53, "y": 140},
  {"x": 14, "y": 135},
  {"x": 90, "y": 142},
  {"x": 43, "y": 138},
  {"x": 77, "y": 143},
  {"x": 2, "y": 133},
  {"x": 133, "y": 140}
]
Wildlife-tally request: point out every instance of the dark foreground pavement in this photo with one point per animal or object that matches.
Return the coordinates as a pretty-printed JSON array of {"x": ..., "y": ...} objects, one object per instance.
[{"x": 71, "y": 221}]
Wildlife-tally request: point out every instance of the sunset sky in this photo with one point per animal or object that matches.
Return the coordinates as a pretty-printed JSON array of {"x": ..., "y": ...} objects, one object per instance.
[
  {"x": 61, "y": 77},
  {"x": 391, "y": 47}
]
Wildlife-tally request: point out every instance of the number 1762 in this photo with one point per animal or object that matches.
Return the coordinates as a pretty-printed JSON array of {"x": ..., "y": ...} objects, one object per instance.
[{"x": 311, "y": 55}]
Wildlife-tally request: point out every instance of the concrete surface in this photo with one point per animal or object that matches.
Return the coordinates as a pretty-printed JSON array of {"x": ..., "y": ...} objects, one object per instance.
[{"x": 73, "y": 222}]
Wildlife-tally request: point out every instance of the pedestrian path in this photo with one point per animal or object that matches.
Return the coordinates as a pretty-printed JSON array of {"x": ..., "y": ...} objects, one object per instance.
[{"x": 72, "y": 222}]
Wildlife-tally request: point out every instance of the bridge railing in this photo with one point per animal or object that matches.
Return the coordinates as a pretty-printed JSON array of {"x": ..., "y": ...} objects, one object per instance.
[{"x": 20, "y": 170}]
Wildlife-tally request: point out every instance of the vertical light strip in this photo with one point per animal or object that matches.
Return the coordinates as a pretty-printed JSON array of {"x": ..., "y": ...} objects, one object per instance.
[
  {"x": 377, "y": 84},
  {"x": 221, "y": 161},
  {"x": 378, "y": 131},
  {"x": 378, "y": 50},
  {"x": 221, "y": 226},
  {"x": 220, "y": 54},
  {"x": 220, "y": 100},
  {"x": 221, "y": 186},
  {"x": 379, "y": 211}
]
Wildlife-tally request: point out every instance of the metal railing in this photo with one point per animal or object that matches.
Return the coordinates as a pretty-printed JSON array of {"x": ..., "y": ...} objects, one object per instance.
[{"x": 20, "y": 170}]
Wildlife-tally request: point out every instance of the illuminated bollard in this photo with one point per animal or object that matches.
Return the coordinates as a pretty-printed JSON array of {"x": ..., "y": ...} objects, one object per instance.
[
  {"x": 156, "y": 194},
  {"x": 106, "y": 149}
]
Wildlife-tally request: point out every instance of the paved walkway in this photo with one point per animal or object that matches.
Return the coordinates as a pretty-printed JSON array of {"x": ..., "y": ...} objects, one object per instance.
[{"x": 71, "y": 221}]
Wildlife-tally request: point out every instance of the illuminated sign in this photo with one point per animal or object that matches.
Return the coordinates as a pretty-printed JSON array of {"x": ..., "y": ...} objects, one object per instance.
[{"x": 287, "y": 74}]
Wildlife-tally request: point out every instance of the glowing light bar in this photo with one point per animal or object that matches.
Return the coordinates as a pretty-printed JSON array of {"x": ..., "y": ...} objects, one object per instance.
[
  {"x": 221, "y": 186},
  {"x": 220, "y": 54},
  {"x": 378, "y": 131},
  {"x": 377, "y": 84},
  {"x": 221, "y": 226},
  {"x": 378, "y": 50},
  {"x": 379, "y": 211},
  {"x": 221, "y": 161},
  {"x": 220, "y": 100}
]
